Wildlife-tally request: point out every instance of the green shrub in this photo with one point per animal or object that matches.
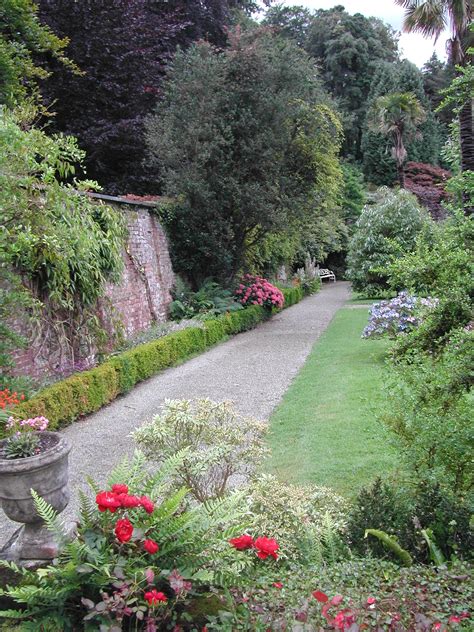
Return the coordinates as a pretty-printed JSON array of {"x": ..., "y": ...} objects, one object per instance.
[
  {"x": 83, "y": 393},
  {"x": 222, "y": 443},
  {"x": 403, "y": 512},
  {"x": 429, "y": 411},
  {"x": 307, "y": 521},
  {"x": 384, "y": 231}
]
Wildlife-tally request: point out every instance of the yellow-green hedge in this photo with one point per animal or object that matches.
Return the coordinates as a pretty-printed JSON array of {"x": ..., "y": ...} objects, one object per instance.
[{"x": 88, "y": 391}]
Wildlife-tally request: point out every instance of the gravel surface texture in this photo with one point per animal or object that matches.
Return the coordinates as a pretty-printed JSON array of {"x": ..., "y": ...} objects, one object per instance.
[{"x": 252, "y": 369}]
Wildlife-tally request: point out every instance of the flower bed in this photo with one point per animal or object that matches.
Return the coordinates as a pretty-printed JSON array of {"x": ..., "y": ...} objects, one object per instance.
[{"x": 87, "y": 392}]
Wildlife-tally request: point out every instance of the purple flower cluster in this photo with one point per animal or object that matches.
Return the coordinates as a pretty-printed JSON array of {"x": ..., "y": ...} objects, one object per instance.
[{"x": 398, "y": 315}]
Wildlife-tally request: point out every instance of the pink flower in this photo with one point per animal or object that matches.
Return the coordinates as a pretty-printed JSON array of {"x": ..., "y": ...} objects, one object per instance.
[
  {"x": 278, "y": 585},
  {"x": 371, "y": 601},
  {"x": 153, "y": 597}
]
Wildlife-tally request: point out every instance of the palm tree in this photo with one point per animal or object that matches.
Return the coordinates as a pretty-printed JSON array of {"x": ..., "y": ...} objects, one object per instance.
[
  {"x": 397, "y": 115},
  {"x": 431, "y": 17}
]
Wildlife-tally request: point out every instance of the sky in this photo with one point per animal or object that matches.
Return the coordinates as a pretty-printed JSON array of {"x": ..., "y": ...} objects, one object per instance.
[{"x": 414, "y": 47}]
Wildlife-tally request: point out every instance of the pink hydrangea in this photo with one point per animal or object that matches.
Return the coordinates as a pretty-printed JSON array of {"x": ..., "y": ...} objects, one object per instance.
[{"x": 255, "y": 290}]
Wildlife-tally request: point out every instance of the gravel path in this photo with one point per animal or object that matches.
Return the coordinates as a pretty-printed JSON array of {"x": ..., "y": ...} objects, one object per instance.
[{"x": 253, "y": 369}]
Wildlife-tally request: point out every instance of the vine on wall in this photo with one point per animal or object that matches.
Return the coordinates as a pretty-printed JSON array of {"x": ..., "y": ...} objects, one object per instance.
[{"x": 57, "y": 246}]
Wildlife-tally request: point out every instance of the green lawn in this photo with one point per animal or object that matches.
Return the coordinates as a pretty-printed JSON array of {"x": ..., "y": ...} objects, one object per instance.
[{"x": 324, "y": 431}]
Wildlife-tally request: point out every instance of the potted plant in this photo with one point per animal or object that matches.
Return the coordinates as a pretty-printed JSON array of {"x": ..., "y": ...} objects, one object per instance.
[{"x": 31, "y": 458}]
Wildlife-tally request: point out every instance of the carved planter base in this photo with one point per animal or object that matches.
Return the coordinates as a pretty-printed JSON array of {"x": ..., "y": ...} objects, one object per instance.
[{"x": 47, "y": 474}]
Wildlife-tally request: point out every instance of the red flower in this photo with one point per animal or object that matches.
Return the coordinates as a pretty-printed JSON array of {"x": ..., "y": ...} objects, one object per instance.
[
  {"x": 123, "y": 530},
  {"x": 153, "y": 597},
  {"x": 120, "y": 489},
  {"x": 151, "y": 547},
  {"x": 277, "y": 585},
  {"x": 107, "y": 500},
  {"x": 129, "y": 502},
  {"x": 320, "y": 596},
  {"x": 147, "y": 504},
  {"x": 266, "y": 547},
  {"x": 454, "y": 619},
  {"x": 436, "y": 626},
  {"x": 344, "y": 619},
  {"x": 371, "y": 601},
  {"x": 242, "y": 542}
]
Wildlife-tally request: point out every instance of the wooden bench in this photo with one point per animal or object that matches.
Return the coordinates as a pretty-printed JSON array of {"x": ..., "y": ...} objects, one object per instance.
[{"x": 326, "y": 274}]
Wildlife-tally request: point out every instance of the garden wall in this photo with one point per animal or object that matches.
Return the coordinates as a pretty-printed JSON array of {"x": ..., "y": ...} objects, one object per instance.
[{"x": 141, "y": 298}]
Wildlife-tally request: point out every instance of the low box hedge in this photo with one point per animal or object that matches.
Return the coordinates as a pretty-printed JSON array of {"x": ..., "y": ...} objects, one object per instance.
[{"x": 87, "y": 392}]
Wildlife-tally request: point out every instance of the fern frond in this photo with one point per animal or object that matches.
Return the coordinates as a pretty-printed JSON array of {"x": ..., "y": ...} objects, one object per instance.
[
  {"x": 50, "y": 518},
  {"x": 87, "y": 510}
]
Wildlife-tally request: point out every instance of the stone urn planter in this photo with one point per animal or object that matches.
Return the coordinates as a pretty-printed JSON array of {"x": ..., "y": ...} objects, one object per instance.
[{"x": 47, "y": 474}]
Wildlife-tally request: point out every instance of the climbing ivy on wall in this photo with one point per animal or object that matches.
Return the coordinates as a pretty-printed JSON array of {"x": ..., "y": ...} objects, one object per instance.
[{"x": 57, "y": 246}]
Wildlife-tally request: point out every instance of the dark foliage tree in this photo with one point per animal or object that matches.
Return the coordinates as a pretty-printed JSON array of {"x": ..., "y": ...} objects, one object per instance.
[
  {"x": 349, "y": 48},
  {"x": 123, "y": 48},
  {"x": 437, "y": 76},
  {"x": 379, "y": 165},
  {"x": 293, "y": 22},
  {"x": 249, "y": 147}
]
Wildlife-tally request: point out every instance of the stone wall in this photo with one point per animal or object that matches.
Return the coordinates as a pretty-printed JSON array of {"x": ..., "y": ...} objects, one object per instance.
[{"x": 140, "y": 299}]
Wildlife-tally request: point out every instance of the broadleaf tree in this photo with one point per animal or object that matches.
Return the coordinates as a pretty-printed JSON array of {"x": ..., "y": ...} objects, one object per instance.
[{"x": 249, "y": 145}]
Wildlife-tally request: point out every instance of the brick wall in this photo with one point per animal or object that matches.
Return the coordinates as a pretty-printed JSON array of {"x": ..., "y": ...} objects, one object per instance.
[{"x": 140, "y": 299}]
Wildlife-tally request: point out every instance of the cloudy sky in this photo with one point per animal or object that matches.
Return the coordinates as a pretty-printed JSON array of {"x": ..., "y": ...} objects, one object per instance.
[{"x": 415, "y": 47}]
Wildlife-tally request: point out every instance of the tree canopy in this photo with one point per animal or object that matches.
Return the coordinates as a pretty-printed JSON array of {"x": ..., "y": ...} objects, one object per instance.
[{"x": 249, "y": 144}]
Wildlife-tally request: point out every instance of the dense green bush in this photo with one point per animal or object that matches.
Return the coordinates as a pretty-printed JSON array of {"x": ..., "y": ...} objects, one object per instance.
[
  {"x": 430, "y": 410},
  {"x": 247, "y": 145},
  {"x": 385, "y": 230},
  {"x": 88, "y": 391},
  {"x": 403, "y": 512}
]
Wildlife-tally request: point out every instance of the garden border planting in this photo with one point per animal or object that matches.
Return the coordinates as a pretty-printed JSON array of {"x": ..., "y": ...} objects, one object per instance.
[{"x": 86, "y": 392}]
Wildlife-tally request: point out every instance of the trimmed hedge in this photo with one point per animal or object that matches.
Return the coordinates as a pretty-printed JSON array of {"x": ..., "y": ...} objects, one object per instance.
[{"x": 88, "y": 391}]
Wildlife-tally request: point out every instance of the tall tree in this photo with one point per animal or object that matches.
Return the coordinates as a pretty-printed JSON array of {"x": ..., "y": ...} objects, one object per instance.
[
  {"x": 398, "y": 116},
  {"x": 431, "y": 17},
  {"x": 123, "y": 48},
  {"x": 349, "y": 49},
  {"x": 249, "y": 144}
]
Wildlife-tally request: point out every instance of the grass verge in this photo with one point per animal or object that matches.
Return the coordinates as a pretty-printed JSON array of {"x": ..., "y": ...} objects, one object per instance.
[{"x": 324, "y": 431}]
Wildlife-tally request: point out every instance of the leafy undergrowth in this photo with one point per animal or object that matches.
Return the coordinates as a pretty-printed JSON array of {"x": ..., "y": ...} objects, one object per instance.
[
  {"x": 324, "y": 431},
  {"x": 373, "y": 593}
]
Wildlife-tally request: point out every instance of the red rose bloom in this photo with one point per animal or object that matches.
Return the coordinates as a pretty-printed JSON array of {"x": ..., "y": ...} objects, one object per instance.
[
  {"x": 266, "y": 547},
  {"x": 120, "y": 489},
  {"x": 151, "y": 547},
  {"x": 129, "y": 502},
  {"x": 123, "y": 530},
  {"x": 107, "y": 500},
  {"x": 278, "y": 585},
  {"x": 147, "y": 504},
  {"x": 242, "y": 542},
  {"x": 153, "y": 597}
]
